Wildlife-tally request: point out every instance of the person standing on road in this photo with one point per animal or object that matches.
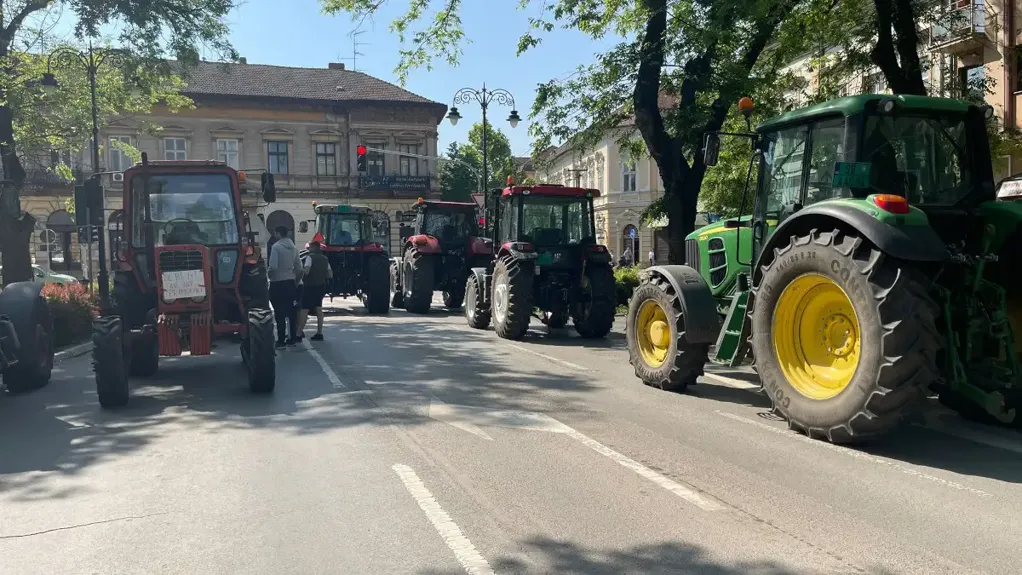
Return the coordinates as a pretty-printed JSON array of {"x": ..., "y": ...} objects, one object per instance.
[
  {"x": 317, "y": 276},
  {"x": 652, "y": 258},
  {"x": 284, "y": 270}
]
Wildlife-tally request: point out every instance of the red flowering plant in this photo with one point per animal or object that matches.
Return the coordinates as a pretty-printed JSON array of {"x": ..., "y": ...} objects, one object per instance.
[{"x": 73, "y": 309}]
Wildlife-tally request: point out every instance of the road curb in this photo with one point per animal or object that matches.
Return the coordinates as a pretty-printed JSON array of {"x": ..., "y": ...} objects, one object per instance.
[{"x": 72, "y": 352}]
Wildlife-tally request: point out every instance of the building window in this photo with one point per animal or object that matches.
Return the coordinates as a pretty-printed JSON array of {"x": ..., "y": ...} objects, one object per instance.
[
  {"x": 174, "y": 149},
  {"x": 276, "y": 157},
  {"x": 326, "y": 159},
  {"x": 227, "y": 152},
  {"x": 973, "y": 83},
  {"x": 874, "y": 83},
  {"x": 628, "y": 176},
  {"x": 374, "y": 160},
  {"x": 408, "y": 166},
  {"x": 118, "y": 161}
]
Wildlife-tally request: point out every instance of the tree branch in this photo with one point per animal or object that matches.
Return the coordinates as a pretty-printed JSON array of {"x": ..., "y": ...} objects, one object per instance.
[
  {"x": 7, "y": 34},
  {"x": 646, "y": 96}
]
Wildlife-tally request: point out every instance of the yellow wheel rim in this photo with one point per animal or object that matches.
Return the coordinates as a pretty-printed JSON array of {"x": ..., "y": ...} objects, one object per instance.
[
  {"x": 652, "y": 333},
  {"x": 816, "y": 336}
]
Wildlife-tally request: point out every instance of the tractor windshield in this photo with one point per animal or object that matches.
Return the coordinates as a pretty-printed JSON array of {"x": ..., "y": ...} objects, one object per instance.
[
  {"x": 184, "y": 209},
  {"x": 922, "y": 158},
  {"x": 555, "y": 220},
  {"x": 449, "y": 226},
  {"x": 343, "y": 229}
]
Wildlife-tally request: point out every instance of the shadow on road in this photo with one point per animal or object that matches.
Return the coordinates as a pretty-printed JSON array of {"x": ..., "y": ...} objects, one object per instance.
[{"x": 565, "y": 557}]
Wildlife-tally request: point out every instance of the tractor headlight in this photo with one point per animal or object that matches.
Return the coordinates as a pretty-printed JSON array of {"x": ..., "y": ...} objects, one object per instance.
[{"x": 226, "y": 260}]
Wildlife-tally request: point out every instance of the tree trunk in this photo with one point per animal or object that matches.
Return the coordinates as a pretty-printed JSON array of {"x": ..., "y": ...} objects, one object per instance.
[
  {"x": 898, "y": 58},
  {"x": 15, "y": 227}
]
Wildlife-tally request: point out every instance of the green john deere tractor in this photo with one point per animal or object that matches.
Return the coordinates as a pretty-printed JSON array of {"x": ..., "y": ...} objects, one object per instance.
[{"x": 875, "y": 270}]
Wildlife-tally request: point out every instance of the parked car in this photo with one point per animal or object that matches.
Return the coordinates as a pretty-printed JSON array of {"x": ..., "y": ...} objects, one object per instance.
[{"x": 45, "y": 276}]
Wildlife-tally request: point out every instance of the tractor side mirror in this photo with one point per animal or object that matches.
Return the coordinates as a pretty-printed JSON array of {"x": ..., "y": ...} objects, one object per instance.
[
  {"x": 269, "y": 188},
  {"x": 711, "y": 149},
  {"x": 303, "y": 227}
]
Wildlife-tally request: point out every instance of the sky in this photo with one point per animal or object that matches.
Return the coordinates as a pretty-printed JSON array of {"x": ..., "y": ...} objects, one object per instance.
[{"x": 297, "y": 33}]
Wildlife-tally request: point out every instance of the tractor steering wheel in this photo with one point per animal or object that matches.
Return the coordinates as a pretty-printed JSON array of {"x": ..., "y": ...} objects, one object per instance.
[{"x": 167, "y": 225}]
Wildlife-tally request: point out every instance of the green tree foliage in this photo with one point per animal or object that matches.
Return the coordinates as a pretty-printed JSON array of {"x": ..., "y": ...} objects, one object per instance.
[
  {"x": 459, "y": 173},
  {"x": 33, "y": 123},
  {"x": 499, "y": 161}
]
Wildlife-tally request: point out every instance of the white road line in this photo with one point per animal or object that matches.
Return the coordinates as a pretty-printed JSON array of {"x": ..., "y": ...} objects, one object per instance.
[
  {"x": 549, "y": 358},
  {"x": 464, "y": 551},
  {"x": 330, "y": 374},
  {"x": 856, "y": 454},
  {"x": 731, "y": 382},
  {"x": 690, "y": 495}
]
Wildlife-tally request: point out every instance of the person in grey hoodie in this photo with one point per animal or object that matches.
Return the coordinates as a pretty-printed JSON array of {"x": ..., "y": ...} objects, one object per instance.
[{"x": 285, "y": 271}]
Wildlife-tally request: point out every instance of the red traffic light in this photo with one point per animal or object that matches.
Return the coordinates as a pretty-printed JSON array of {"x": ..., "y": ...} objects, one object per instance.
[{"x": 361, "y": 150}]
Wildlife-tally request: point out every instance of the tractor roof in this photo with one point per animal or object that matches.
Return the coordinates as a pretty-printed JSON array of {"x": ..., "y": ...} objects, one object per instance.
[
  {"x": 180, "y": 165},
  {"x": 443, "y": 204},
  {"x": 551, "y": 190},
  {"x": 854, "y": 104},
  {"x": 341, "y": 209}
]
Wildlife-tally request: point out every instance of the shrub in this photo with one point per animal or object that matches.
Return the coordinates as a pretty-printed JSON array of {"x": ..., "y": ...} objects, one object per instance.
[
  {"x": 73, "y": 309},
  {"x": 626, "y": 279}
]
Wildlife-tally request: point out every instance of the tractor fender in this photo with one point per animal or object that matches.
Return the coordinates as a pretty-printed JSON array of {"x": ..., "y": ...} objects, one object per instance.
[
  {"x": 482, "y": 275},
  {"x": 909, "y": 243},
  {"x": 480, "y": 246},
  {"x": 702, "y": 324},
  {"x": 424, "y": 244}
]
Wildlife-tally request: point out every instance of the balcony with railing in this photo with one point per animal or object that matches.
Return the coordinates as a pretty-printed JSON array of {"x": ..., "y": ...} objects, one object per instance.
[{"x": 968, "y": 29}]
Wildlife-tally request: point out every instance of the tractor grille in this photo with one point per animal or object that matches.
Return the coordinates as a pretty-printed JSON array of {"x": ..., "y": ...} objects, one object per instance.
[
  {"x": 176, "y": 261},
  {"x": 692, "y": 254},
  {"x": 718, "y": 261}
]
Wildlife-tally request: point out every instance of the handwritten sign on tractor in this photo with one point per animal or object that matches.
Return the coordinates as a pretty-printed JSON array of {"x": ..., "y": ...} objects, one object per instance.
[
  {"x": 851, "y": 175},
  {"x": 183, "y": 284}
]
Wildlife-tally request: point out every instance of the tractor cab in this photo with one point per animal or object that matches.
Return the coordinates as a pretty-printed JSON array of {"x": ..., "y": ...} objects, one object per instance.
[
  {"x": 555, "y": 222},
  {"x": 451, "y": 223},
  {"x": 345, "y": 228},
  {"x": 357, "y": 258}
]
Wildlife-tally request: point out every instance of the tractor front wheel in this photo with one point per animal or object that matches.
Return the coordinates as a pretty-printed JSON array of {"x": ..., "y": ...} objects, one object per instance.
[
  {"x": 658, "y": 348},
  {"x": 377, "y": 292},
  {"x": 108, "y": 361},
  {"x": 844, "y": 336},
  {"x": 145, "y": 355},
  {"x": 477, "y": 310},
  {"x": 261, "y": 358},
  {"x": 397, "y": 296},
  {"x": 593, "y": 316},
  {"x": 418, "y": 283},
  {"x": 512, "y": 297}
]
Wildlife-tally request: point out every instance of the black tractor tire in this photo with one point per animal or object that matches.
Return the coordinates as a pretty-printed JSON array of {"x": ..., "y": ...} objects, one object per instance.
[
  {"x": 897, "y": 337},
  {"x": 418, "y": 288},
  {"x": 477, "y": 310},
  {"x": 377, "y": 295},
  {"x": 129, "y": 301},
  {"x": 683, "y": 361},
  {"x": 595, "y": 318},
  {"x": 145, "y": 355},
  {"x": 108, "y": 362},
  {"x": 261, "y": 357},
  {"x": 397, "y": 296},
  {"x": 454, "y": 296},
  {"x": 512, "y": 284},
  {"x": 28, "y": 312},
  {"x": 254, "y": 285},
  {"x": 554, "y": 319}
]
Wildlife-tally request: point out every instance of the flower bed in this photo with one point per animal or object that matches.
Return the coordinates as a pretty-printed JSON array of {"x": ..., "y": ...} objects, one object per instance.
[{"x": 73, "y": 309}]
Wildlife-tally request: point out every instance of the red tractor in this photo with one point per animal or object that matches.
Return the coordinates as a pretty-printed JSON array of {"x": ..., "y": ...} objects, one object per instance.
[
  {"x": 548, "y": 260},
  {"x": 357, "y": 259},
  {"x": 189, "y": 270},
  {"x": 443, "y": 247}
]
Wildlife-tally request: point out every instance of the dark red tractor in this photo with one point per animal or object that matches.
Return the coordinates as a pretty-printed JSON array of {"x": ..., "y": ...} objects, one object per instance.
[
  {"x": 357, "y": 257},
  {"x": 189, "y": 270},
  {"x": 548, "y": 260},
  {"x": 443, "y": 247}
]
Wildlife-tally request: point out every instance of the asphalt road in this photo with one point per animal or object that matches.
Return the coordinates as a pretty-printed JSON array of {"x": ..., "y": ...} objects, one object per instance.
[{"x": 408, "y": 444}]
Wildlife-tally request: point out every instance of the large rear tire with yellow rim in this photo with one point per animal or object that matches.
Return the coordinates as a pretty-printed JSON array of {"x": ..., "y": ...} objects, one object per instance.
[
  {"x": 658, "y": 349},
  {"x": 845, "y": 337}
]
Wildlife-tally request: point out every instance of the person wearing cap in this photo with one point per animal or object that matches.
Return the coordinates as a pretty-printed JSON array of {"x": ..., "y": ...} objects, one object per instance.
[{"x": 317, "y": 276}]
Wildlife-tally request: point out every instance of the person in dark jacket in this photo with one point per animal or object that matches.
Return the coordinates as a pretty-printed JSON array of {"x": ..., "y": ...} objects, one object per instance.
[{"x": 317, "y": 277}]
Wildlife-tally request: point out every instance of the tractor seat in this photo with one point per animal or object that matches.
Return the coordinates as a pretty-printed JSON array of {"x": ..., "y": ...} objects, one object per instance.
[
  {"x": 341, "y": 239},
  {"x": 548, "y": 236}
]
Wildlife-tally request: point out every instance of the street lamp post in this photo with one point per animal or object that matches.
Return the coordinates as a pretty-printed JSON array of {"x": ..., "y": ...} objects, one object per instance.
[
  {"x": 484, "y": 97},
  {"x": 91, "y": 60}
]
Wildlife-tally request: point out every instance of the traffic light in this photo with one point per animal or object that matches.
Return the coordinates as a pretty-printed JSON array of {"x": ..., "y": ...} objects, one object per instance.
[
  {"x": 269, "y": 187},
  {"x": 89, "y": 202},
  {"x": 360, "y": 163}
]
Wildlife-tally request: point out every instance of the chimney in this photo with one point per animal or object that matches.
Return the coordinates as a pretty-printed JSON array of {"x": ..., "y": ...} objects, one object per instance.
[
  {"x": 243, "y": 60},
  {"x": 336, "y": 65}
]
